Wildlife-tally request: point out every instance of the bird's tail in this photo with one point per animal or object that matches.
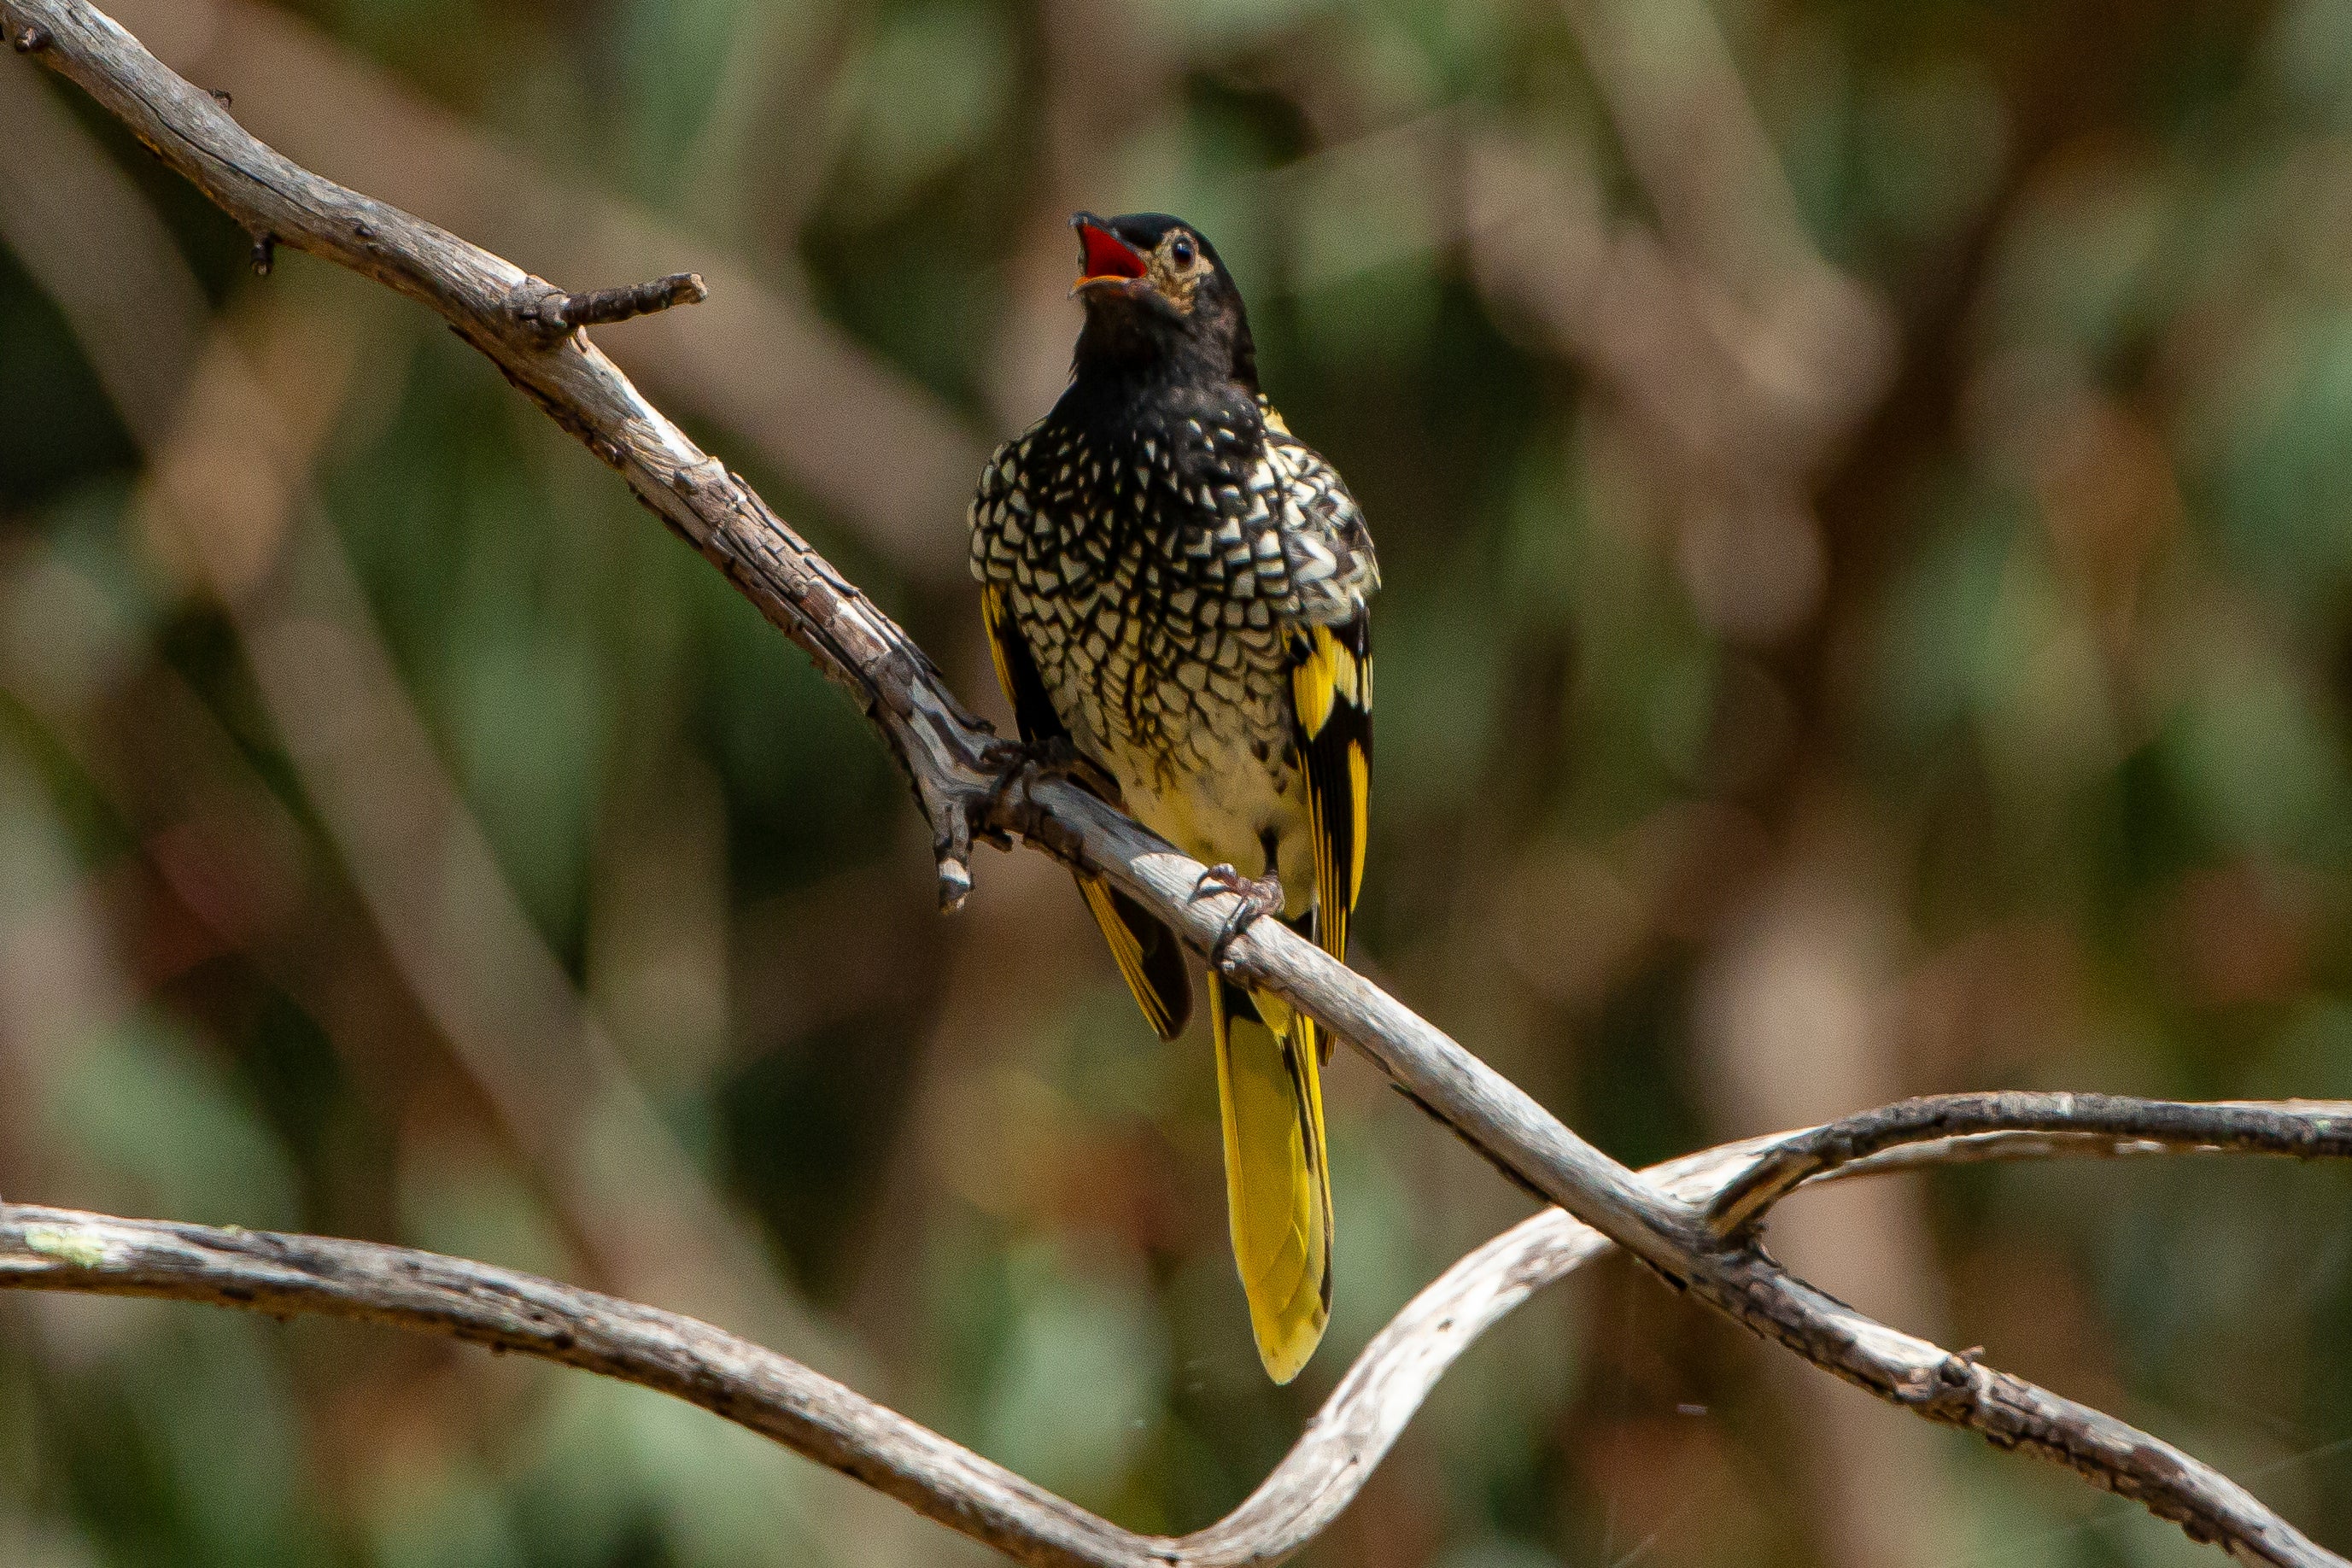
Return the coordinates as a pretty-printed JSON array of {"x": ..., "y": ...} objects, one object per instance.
[{"x": 1277, "y": 1181}]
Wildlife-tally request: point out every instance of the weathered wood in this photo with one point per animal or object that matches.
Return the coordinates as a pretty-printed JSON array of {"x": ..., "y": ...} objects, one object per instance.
[
  {"x": 2298, "y": 1130},
  {"x": 59, "y": 1250},
  {"x": 969, "y": 784}
]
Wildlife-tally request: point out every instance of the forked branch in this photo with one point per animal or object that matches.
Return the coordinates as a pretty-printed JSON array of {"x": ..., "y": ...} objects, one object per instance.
[
  {"x": 970, "y": 784},
  {"x": 58, "y": 1250}
]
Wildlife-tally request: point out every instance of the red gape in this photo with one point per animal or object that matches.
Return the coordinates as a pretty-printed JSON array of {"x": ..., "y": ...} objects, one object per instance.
[{"x": 1107, "y": 256}]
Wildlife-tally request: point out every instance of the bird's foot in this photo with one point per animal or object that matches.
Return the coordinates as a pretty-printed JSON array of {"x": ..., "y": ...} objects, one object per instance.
[
  {"x": 1056, "y": 758},
  {"x": 1260, "y": 896}
]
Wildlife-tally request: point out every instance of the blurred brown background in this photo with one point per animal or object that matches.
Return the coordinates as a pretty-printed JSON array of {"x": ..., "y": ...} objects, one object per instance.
[{"x": 1865, "y": 497}]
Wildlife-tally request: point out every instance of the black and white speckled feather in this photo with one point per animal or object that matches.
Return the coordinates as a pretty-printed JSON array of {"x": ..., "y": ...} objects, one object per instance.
[
  {"x": 1157, "y": 566},
  {"x": 1180, "y": 588}
]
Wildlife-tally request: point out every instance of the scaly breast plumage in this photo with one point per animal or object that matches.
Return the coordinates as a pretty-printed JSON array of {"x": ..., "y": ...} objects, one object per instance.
[{"x": 1153, "y": 592}]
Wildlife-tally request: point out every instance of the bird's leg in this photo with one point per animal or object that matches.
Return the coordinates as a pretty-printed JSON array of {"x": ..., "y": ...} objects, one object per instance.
[
  {"x": 1057, "y": 757},
  {"x": 1259, "y": 896}
]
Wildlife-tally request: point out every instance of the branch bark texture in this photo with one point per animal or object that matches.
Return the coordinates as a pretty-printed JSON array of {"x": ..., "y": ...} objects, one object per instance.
[
  {"x": 65, "y": 1250},
  {"x": 970, "y": 784}
]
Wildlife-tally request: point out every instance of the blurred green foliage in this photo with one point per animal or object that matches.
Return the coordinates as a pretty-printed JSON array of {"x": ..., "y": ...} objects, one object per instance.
[{"x": 2038, "y": 778}]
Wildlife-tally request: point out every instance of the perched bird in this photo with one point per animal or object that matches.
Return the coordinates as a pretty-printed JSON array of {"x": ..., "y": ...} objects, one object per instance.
[{"x": 1176, "y": 593}]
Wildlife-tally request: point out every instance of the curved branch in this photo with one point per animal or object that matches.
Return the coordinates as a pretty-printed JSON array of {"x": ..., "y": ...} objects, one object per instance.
[
  {"x": 263, "y": 1271},
  {"x": 2300, "y": 1130},
  {"x": 423, "y": 1292},
  {"x": 969, "y": 784}
]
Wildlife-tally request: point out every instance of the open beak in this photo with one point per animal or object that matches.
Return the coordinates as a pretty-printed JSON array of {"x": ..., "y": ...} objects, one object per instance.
[{"x": 1103, "y": 258}]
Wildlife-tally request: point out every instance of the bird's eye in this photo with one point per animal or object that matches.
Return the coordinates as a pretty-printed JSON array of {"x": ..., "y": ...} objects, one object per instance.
[{"x": 1181, "y": 251}]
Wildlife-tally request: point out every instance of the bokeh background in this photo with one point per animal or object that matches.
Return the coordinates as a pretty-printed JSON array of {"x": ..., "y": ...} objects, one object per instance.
[{"x": 1865, "y": 495}]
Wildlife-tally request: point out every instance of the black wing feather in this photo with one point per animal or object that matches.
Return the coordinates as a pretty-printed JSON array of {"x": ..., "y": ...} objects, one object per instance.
[{"x": 1331, "y": 687}]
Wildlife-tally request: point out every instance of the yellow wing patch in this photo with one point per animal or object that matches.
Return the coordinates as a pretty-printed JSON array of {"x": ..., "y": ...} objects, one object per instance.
[
  {"x": 992, "y": 617},
  {"x": 1127, "y": 952},
  {"x": 1331, "y": 911},
  {"x": 1310, "y": 689},
  {"x": 1329, "y": 671},
  {"x": 1360, "y": 796},
  {"x": 1331, "y": 689}
]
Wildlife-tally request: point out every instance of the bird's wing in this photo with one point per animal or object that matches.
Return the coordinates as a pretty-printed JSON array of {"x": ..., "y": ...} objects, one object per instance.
[
  {"x": 1277, "y": 1174},
  {"x": 1147, "y": 952},
  {"x": 1328, "y": 576},
  {"x": 1332, "y": 571},
  {"x": 1327, "y": 558},
  {"x": 1331, "y": 695}
]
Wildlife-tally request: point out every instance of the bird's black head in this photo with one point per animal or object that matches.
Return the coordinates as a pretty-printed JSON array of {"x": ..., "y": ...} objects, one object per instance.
[{"x": 1158, "y": 303}]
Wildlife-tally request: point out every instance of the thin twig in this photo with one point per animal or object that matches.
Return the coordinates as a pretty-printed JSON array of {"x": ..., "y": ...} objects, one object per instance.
[
  {"x": 970, "y": 784},
  {"x": 550, "y": 313},
  {"x": 757, "y": 360}
]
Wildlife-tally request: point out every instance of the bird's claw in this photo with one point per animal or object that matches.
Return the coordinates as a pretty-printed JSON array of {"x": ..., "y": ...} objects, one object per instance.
[
  {"x": 1051, "y": 758},
  {"x": 1259, "y": 896},
  {"x": 1056, "y": 758}
]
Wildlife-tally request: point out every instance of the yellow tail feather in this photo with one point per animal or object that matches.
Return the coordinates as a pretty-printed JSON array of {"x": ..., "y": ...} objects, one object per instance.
[{"x": 1277, "y": 1181}]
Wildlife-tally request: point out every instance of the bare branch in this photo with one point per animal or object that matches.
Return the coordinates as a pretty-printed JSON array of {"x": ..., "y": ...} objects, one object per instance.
[
  {"x": 66, "y": 1250},
  {"x": 2302, "y": 1130},
  {"x": 262, "y": 1271},
  {"x": 969, "y": 784},
  {"x": 759, "y": 359},
  {"x": 491, "y": 994},
  {"x": 551, "y": 313}
]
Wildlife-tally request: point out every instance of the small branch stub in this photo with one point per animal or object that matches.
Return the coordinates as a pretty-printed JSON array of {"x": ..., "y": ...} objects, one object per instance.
[
  {"x": 603, "y": 305},
  {"x": 550, "y": 313},
  {"x": 954, "y": 765}
]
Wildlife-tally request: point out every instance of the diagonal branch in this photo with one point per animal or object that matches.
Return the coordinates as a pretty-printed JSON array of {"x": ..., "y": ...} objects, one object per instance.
[
  {"x": 66, "y": 1250},
  {"x": 443, "y": 923},
  {"x": 758, "y": 360},
  {"x": 970, "y": 784}
]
